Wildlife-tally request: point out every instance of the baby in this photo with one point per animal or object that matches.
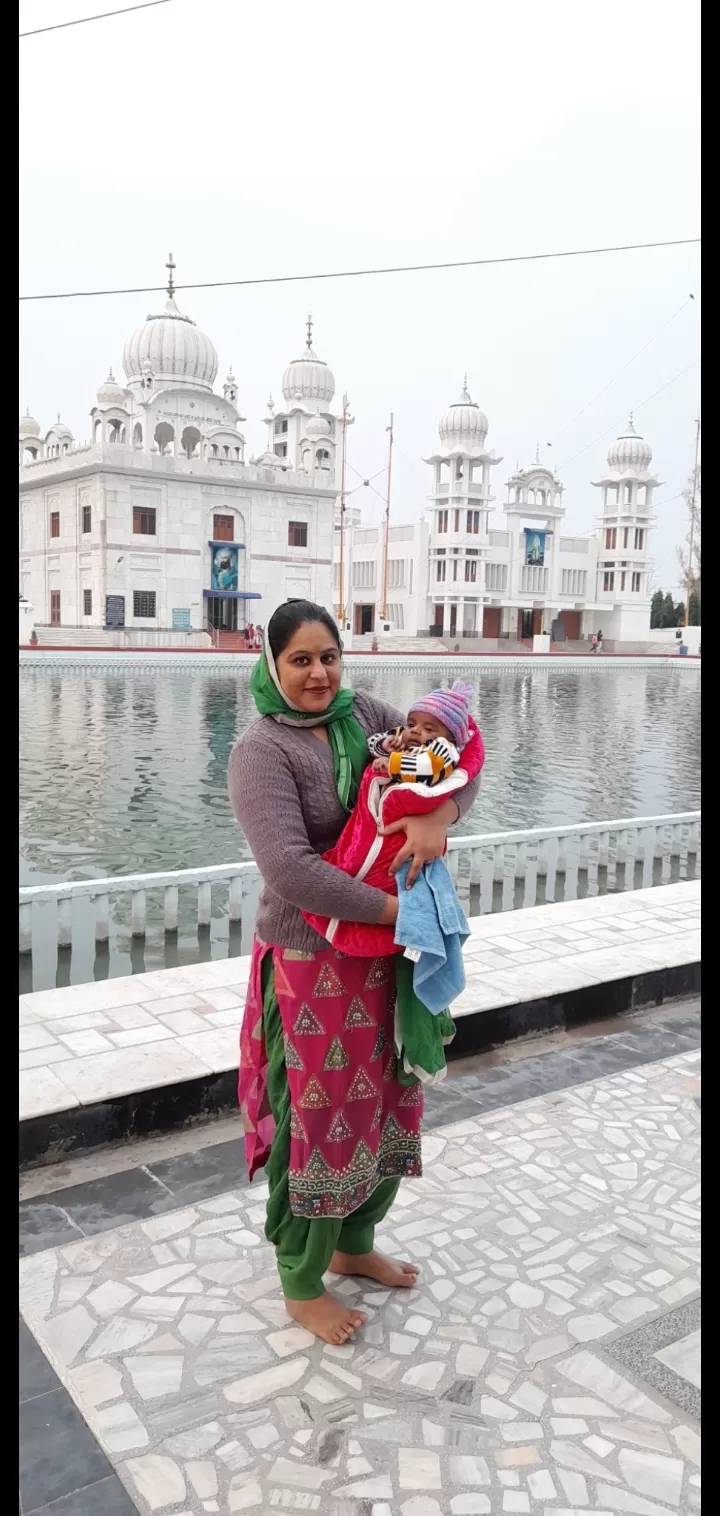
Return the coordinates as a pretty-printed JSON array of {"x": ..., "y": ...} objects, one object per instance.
[
  {"x": 437, "y": 752},
  {"x": 424, "y": 751}
]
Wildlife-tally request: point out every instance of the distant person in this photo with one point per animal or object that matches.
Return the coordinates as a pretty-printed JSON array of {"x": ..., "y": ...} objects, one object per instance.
[
  {"x": 599, "y": 645},
  {"x": 594, "y": 642}
]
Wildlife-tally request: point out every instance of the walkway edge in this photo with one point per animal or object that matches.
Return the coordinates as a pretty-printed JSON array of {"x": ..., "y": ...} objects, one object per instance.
[{"x": 149, "y": 1112}]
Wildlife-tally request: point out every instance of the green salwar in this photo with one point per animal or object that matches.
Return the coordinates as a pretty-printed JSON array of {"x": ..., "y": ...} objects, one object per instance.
[{"x": 304, "y": 1246}]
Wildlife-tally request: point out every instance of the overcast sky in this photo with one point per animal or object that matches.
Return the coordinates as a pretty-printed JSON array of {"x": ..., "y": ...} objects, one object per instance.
[{"x": 262, "y": 139}]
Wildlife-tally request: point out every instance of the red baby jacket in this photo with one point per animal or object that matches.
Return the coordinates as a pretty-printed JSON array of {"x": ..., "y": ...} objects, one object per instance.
[{"x": 362, "y": 852}]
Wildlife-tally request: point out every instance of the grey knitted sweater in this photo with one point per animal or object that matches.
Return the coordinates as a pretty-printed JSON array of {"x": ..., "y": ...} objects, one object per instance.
[{"x": 282, "y": 790}]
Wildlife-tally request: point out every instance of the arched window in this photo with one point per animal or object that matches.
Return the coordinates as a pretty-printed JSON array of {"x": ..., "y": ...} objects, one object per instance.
[
  {"x": 190, "y": 442},
  {"x": 165, "y": 437},
  {"x": 97, "y": 431},
  {"x": 322, "y": 458},
  {"x": 137, "y": 435}
]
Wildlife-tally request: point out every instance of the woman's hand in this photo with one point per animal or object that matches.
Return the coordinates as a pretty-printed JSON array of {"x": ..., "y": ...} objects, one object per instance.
[
  {"x": 425, "y": 838},
  {"x": 390, "y": 911}
]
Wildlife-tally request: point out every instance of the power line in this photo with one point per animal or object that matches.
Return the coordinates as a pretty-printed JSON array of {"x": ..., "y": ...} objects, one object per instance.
[
  {"x": 635, "y": 408},
  {"x": 60, "y": 26},
  {"x": 358, "y": 273},
  {"x": 627, "y": 365}
]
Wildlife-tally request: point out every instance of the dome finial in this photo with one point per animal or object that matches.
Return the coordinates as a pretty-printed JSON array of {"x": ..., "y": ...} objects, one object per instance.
[
  {"x": 537, "y": 452},
  {"x": 465, "y": 380},
  {"x": 309, "y": 325},
  {"x": 170, "y": 265}
]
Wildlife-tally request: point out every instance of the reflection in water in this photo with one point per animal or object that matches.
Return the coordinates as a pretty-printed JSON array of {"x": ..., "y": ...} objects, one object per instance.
[{"x": 126, "y": 772}]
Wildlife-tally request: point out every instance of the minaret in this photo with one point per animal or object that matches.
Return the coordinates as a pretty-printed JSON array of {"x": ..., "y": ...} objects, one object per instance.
[
  {"x": 460, "y": 504},
  {"x": 626, "y": 522}
]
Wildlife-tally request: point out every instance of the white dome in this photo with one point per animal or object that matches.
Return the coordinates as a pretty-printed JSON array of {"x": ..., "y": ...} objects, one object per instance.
[
  {"x": 173, "y": 349},
  {"x": 464, "y": 426},
  {"x": 629, "y": 452},
  {"x": 59, "y": 429},
  {"x": 111, "y": 393},
  {"x": 308, "y": 378},
  {"x": 29, "y": 427},
  {"x": 317, "y": 427}
]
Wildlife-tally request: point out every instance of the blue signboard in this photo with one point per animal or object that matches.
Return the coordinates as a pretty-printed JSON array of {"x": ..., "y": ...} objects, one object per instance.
[
  {"x": 180, "y": 620},
  {"x": 535, "y": 546},
  {"x": 224, "y": 568}
]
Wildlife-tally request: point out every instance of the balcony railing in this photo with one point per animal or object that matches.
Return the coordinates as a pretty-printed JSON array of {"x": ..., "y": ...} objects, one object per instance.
[
  {"x": 533, "y": 579},
  {"x": 500, "y": 871}
]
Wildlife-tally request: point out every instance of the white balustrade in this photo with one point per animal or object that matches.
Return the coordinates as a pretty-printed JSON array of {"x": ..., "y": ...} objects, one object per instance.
[
  {"x": 533, "y": 579},
  {"x": 497, "y": 871},
  {"x": 220, "y": 664}
]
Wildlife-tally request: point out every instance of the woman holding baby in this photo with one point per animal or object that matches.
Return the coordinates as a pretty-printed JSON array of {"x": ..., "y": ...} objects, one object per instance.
[{"x": 323, "y": 1107}]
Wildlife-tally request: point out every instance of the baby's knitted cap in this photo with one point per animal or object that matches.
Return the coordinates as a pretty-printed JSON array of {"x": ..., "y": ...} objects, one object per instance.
[{"x": 451, "y": 707}]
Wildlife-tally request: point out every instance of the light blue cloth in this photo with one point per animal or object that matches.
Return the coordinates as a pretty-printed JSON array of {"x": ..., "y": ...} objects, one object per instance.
[{"x": 432, "y": 927}]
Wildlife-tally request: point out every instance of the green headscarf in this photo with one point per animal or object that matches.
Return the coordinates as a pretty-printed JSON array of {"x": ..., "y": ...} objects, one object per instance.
[{"x": 348, "y": 743}]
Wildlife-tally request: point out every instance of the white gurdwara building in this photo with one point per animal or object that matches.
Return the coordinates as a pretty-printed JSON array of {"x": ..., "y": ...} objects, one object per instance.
[
  {"x": 158, "y": 532},
  {"x": 457, "y": 576},
  {"x": 159, "y": 525}
]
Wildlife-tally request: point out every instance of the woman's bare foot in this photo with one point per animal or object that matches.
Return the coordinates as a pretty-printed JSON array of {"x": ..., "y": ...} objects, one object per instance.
[
  {"x": 326, "y": 1317},
  {"x": 386, "y": 1271}
]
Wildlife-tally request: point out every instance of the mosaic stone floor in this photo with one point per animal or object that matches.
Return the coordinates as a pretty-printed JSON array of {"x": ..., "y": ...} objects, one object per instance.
[{"x": 549, "y": 1234}]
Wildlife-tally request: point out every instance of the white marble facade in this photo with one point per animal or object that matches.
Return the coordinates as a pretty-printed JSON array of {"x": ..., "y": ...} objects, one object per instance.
[{"x": 132, "y": 514}]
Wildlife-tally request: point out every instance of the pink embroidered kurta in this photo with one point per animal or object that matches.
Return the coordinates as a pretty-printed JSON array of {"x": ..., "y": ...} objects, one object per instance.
[{"x": 352, "y": 1123}]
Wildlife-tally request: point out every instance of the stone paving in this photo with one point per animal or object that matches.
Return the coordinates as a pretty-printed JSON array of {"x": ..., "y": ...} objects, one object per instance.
[
  {"x": 546, "y": 1364},
  {"x": 87, "y": 1043}
]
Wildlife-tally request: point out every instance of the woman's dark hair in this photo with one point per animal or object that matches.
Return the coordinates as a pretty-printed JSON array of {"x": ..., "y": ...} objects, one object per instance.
[{"x": 286, "y": 620}]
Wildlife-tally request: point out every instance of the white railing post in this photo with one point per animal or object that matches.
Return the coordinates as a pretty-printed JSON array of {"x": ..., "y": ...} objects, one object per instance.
[
  {"x": 25, "y": 928},
  {"x": 204, "y": 904},
  {"x": 170, "y": 908},
  {"x": 102, "y": 917},
  {"x": 64, "y": 922},
  {"x": 235, "y": 898},
  {"x": 138, "y": 913}
]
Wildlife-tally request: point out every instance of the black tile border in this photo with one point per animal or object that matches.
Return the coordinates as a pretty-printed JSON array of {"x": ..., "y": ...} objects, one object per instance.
[
  {"x": 636, "y": 1350},
  {"x": 47, "y": 1139},
  {"x": 97, "y": 1205},
  {"x": 62, "y": 1469}
]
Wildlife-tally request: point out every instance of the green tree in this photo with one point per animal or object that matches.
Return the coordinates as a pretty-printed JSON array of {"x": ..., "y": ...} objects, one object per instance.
[
  {"x": 656, "y": 609},
  {"x": 664, "y": 611}
]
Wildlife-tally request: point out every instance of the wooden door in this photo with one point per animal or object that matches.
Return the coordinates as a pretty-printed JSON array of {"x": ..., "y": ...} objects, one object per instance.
[
  {"x": 491, "y": 621},
  {"x": 571, "y": 621},
  {"x": 54, "y": 607}
]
